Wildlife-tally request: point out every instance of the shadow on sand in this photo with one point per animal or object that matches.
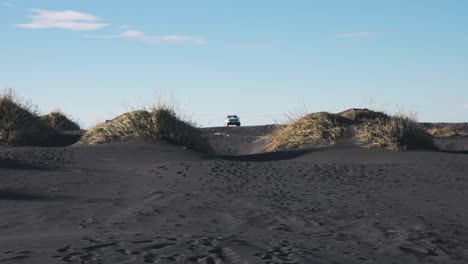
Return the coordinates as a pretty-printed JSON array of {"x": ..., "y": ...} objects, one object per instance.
[
  {"x": 65, "y": 139},
  {"x": 454, "y": 151},
  {"x": 270, "y": 156},
  {"x": 21, "y": 196},
  {"x": 20, "y": 165}
]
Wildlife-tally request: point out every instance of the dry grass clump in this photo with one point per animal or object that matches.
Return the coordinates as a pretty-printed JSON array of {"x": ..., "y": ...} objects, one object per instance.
[
  {"x": 315, "y": 128},
  {"x": 362, "y": 114},
  {"x": 394, "y": 133},
  {"x": 20, "y": 123},
  {"x": 447, "y": 132},
  {"x": 159, "y": 122},
  {"x": 60, "y": 121},
  {"x": 366, "y": 128}
]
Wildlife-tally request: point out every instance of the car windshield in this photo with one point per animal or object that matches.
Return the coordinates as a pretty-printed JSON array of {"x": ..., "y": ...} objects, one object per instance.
[{"x": 232, "y": 116}]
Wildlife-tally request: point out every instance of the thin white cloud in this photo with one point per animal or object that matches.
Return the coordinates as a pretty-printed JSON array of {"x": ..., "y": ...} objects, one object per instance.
[
  {"x": 465, "y": 106},
  {"x": 355, "y": 35},
  {"x": 152, "y": 39},
  {"x": 252, "y": 46},
  {"x": 6, "y": 3},
  {"x": 67, "y": 19}
]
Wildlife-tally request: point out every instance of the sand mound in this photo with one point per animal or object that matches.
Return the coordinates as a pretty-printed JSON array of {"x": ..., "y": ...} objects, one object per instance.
[
  {"x": 363, "y": 126},
  {"x": 60, "y": 121},
  {"x": 316, "y": 128},
  {"x": 394, "y": 133},
  {"x": 21, "y": 125},
  {"x": 159, "y": 123}
]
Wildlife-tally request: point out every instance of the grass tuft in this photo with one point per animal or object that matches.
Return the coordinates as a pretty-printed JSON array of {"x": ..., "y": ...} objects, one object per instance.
[
  {"x": 447, "y": 131},
  {"x": 362, "y": 114},
  {"x": 60, "y": 121},
  {"x": 160, "y": 122},
  {"x": 316, "y": 128},
  {"x": 394, "y": 133},
  {"x": 20, "y": 123},
  {"x": 366, "y": 127}
]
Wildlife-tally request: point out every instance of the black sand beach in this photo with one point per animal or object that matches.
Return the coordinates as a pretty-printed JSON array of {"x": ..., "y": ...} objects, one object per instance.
[{"x": 144, "y": 201}]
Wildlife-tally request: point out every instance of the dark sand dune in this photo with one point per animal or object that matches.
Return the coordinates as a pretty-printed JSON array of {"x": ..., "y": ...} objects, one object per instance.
[{"x": 150, "y": 202}]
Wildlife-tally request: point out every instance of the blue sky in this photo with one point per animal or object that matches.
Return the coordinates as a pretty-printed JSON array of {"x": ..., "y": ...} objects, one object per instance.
[{"x": 259, "y": 59}]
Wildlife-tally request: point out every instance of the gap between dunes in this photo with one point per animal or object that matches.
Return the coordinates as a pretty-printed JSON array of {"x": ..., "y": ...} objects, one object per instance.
[{"x": 245, "y": 141}]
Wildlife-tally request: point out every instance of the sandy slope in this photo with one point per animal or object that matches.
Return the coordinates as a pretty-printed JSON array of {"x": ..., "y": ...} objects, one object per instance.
[
  {"x": 149, "y": 202},
  {"x": 237, "y": 140}
]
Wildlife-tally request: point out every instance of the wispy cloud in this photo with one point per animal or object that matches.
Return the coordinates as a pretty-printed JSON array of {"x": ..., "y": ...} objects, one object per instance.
[
  {"x": 252, "y": 46},
  {"x": 67, "y": 19},
  {"x": 6, "y": 3},
  {"x": 465, "y": 106},
  {"x": 355, "y": 35},
  {"x": 153, "y": 39}
]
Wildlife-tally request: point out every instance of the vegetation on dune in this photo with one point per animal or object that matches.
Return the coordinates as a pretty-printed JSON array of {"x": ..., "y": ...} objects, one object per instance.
[
  {"x": 316, "y": 128},
  {"x": 362, "y": 114},
  {"x": 20, "y": 123},
  {"x": 447, "y": 131},
  {"x": 367, "y": 128},
  {"x": 395, "y": 133},
  {"x": 160, "y": 122},
  {"x": 60, "y": 121}
]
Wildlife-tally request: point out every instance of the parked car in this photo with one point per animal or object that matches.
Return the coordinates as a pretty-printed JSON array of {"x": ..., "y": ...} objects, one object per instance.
[{"x": 232, "y": 120}]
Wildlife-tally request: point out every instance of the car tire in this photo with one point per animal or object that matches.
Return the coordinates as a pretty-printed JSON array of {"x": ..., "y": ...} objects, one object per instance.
[{"x": 238, "y": 124}]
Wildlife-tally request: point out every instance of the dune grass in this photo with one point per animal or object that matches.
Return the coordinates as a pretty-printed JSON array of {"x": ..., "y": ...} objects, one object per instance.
[
  {"x": 20, "y": 123},
  {"x": 447, "y": 131},
  {"x": 398, "y": 132},
  {"x": 316, "y": 128},
  {"x": 362, "y": 114},
  {"x": 160, "y": 122},
  {"x": 365, "y": 127},
  {"x": 60, "y": 121}
]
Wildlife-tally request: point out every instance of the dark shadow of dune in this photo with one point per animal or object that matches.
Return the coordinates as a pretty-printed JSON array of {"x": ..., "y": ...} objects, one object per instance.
[
  {"x": 20, "y": 165},
  {"x": 21, "y": 196},
  {"x": 454, "y": 151},
  {"x": 269, "y": 156},
  {"x": 65, "y": 139}
]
